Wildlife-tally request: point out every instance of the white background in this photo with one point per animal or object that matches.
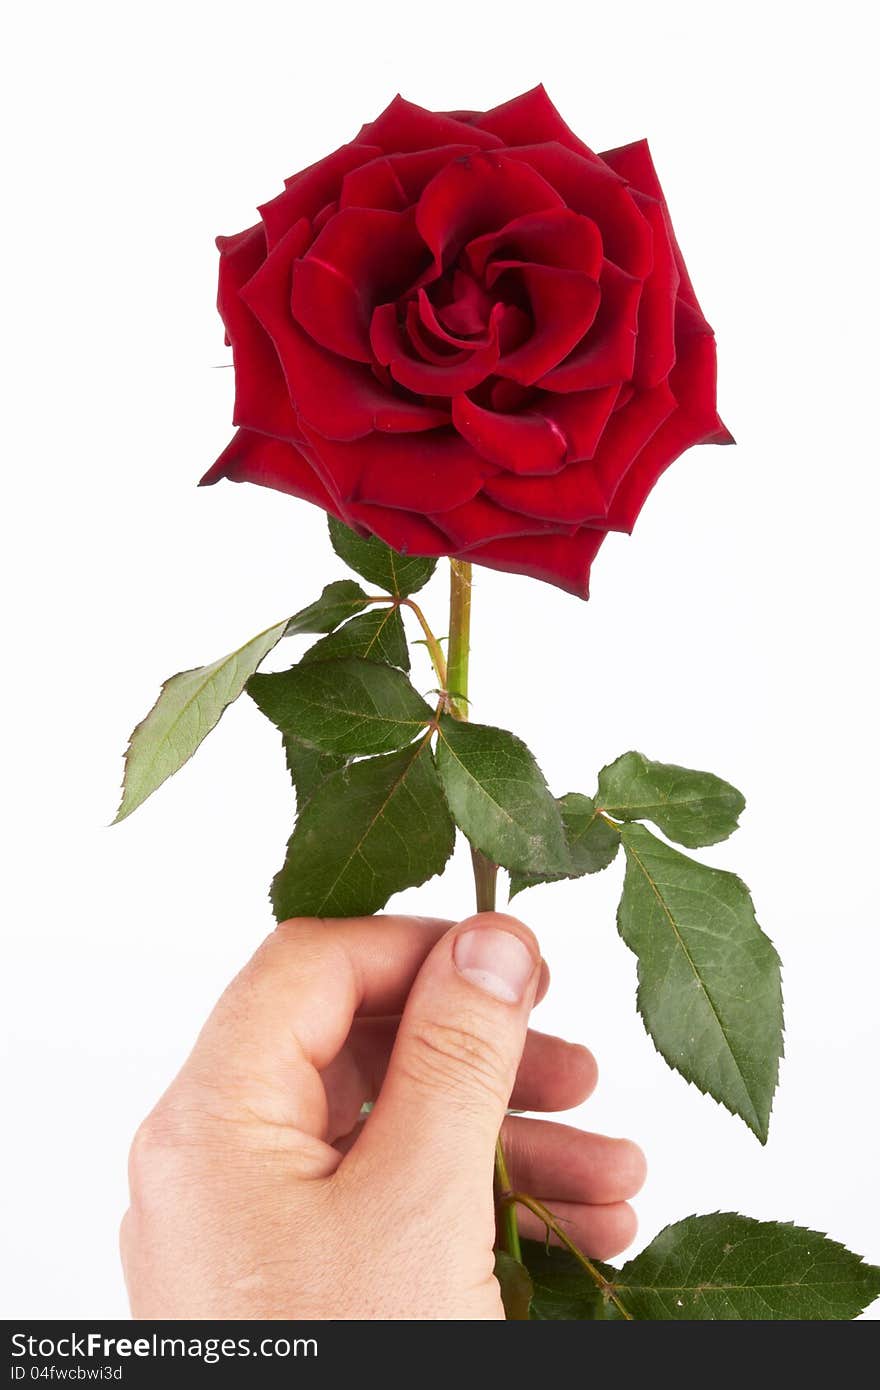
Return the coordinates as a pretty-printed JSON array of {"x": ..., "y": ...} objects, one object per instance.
[{"x": 735, "y": 631}]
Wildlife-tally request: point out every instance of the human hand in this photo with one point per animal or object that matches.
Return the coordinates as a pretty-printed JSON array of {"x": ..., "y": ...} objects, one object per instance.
[{"x": 256, "y": 1191}]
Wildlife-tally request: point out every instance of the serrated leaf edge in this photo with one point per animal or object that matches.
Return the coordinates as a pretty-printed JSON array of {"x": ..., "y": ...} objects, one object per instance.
[
  {"x": 393, "y": 556},
  {"x": 418, "y": 748},
  {"x": 760, "y": 1129},
  {"x": 615, "y": 1279},
  {"x": 538, "y": 880},
  {"x": 508, "y": 817},
  {"x": 387, "y": 615},
  {"x": 642, "y": 811},
  {"x": 620, "y": 1285},
  {"x": 123, "y": 813}
]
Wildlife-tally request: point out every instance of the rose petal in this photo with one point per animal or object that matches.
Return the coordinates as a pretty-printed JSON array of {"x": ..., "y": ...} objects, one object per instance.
[
  {"x": 564, "y": 304},
  {"x": 579, "y": 417},
  {"x": 429, "y": 346},
  {"x": 472, "y": 312},
  {"x": 386, "y": 336},
  {"x": 261, "y": 399},
  {"x": 374, "y": 185},
  {"x": 421, "y": 473},
  {"x": 595, "y": 190},
  {"x": 363, "y": 256},
  {"x": 255, "y": 458},
  {"x": 340, "y": 398},
  {"x": 476, "y": 194},
  {"x": 515, "y": 326},
  {"x": 402, "y": 126},
  {"x": 462, "y": 373},
  {"x": 561, "y": 560},
  {"x": 307, "y": 192},
  {"x": 320, "y": 219},
  {"x": 607, "y": 354},
  {"x": 330, "y": 307},
  {"x": 627, "y": 433},
  {"x": 522, "y": 443},
  {"x": 583, "y": 491},
  {"x": 427, "y": 472},
  {"x": 336, "y": 463},
  {"x": 569, "y": 498},
  {"x": 694, "y": 378},
  {"x": 528, "y": 119},
  {"x": 509, "y": 396},
  {"x": 344, "y": 401},
  {"x": 694, "y": 422},
  {"x": 557, "y": 237},
  {"x": 655, "y": 344},
  {"x": 407, "y": 532},
  {"x": 416, "y": 169},
  {"x": 467, "y": 117},
  {"x": 480, "y": 521},
  {"x": 634, "y": 163},
  {"x": 467, "y": 312},
  {"x": 394, "y": 181}
]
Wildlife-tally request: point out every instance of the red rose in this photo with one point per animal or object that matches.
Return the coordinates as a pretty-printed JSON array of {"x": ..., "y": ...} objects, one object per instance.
[{"x": 469, "y": 335}]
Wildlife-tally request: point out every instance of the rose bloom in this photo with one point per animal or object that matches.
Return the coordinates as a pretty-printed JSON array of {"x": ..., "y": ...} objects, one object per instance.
[{"x": 469, "y": 335}]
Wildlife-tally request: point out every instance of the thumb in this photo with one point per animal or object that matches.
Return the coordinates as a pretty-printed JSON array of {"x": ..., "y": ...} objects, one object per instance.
[{"x": 455, "y": 1059}]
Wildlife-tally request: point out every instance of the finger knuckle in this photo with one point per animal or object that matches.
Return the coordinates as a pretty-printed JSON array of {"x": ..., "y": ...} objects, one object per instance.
[
  {"x": 457, "y": 1060},
  {"x": 159, "y": 1149},
  {"x": 146, "y": 1152}
]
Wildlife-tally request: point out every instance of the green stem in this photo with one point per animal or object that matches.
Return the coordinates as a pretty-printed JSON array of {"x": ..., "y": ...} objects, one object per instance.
[
  {"x": 485, "y": 876},
  {"x": 485, "y": 872},
  {"x": 458, "y": 651},
  {"x": 506, "y": 1208},
  {"x": 607, "y": 1289}
]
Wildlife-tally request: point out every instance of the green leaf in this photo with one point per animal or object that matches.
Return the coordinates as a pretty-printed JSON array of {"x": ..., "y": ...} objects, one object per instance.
[
  {"x": 692, "y": 808},
  {"x": 369, "y": 830},
  {"x": 592, "y": 842},
  {"x": 308, "y": 766},
  {"x": 516, "y": 1286},
  {"x": 347, "y": 706},
  {"x": 376, "y": 636},
  {"x": 562, "y": 1291},
  {"x": 339, "y": 601},
  {"x": 368, "y": 556},
  {"x": 188, "y": 707},
  {"x": 709, "y": 988},
  {"x": 722, "y": 1267},
  {"x": 497, "y": 794},
  {"x": 726, "y": 1266}
]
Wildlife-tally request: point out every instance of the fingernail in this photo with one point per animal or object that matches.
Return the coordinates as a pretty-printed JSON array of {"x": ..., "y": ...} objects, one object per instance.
[{"x": 495, "y": 961}]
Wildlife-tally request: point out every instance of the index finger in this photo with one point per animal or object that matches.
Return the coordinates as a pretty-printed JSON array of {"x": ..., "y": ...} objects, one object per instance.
[{"x": 286, "y": 1015}]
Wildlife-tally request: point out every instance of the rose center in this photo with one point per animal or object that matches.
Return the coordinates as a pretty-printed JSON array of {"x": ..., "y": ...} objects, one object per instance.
[{"x": 462, "y": 305}]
